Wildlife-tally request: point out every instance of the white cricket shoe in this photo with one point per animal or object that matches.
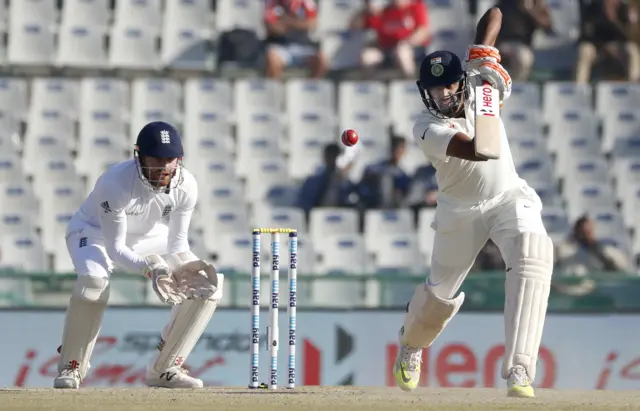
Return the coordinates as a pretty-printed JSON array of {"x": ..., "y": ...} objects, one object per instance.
[
  {"x": 518, "y": 383},
  {"x": 69, "y": 378},
  {"x": 174, "y": 377}
]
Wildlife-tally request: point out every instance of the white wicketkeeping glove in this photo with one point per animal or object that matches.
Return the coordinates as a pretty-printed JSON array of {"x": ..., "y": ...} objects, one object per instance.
[
  {"x": 196, "y": 279},
  {"x": 162, "y": 280}
]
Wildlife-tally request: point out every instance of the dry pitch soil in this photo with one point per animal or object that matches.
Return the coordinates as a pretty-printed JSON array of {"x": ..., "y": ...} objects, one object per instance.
[{"x": 310, "y": 399}]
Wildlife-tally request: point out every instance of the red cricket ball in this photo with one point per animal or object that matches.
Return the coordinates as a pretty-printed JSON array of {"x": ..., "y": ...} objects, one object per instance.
[{"x": 349, "y": 137}]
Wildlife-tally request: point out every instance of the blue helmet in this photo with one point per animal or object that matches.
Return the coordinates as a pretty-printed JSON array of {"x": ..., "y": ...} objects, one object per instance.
[
  {"x": 159, "y": 140},
  {"x": 439, "y": 69}
]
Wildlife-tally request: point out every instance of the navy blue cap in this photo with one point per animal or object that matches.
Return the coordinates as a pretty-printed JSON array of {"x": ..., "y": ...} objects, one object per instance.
[
  {"x": 159, "y": 139},
  {"x": 440, "y": 68}
]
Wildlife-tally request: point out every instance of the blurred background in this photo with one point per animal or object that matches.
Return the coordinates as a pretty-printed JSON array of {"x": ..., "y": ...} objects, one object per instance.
[{"x": 261, "y": 91}]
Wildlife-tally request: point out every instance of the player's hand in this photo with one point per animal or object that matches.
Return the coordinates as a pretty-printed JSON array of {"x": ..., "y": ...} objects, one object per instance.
[
  {"x": 197, "y": 279},
  {"x": 163, "y": 283},
  {"x": 485, "y": 61}
]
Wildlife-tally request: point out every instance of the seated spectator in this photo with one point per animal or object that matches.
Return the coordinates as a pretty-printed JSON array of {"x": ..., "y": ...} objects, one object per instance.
[
  {"x": 288, "y": 23},
  {"x": 423, "y": 188},
  {"x": 329, "y": 186},
  {"x": 605, "y": 36},
  {"x": 582, "y": 254},
  {"x": 385, "y": 184},
  {"x": 521, "y": 18},
  {"x": 402, "y": 30}
]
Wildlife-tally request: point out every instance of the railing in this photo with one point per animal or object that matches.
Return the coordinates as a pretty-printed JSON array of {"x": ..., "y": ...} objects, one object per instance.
[{"x": 606, "y": 292}]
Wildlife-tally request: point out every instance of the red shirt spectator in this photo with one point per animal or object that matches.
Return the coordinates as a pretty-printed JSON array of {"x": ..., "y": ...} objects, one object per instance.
[
  {"x": 396, "y": 23},
  {"x": 275, "y": 9}
]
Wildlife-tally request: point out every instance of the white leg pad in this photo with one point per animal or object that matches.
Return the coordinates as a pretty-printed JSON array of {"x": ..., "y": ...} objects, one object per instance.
[
  {"x": 82, "y": 323},
  {"x": 187, "y": 323},
  {"x": 427, "y": 315},
  {"x": 527, "y": 293}
]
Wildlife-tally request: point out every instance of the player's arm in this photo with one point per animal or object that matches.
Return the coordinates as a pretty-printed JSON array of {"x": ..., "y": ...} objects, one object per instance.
[
  {"x": 488, "y": 27},
  {"x": 180, "y": 219},
  {"x": 113, "y": 222},
  {"x": 441, "y": 142}
]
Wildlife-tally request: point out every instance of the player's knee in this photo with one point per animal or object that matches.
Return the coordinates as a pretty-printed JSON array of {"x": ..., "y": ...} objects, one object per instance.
[
  {"x": 92, "y": 289},
  {"x": 532, "y": 256}
]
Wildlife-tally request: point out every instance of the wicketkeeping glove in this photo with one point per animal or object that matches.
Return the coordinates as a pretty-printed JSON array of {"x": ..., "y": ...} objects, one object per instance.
[
  {"x": 162, "y": 280},
  {"x": 196, "y": 279}
]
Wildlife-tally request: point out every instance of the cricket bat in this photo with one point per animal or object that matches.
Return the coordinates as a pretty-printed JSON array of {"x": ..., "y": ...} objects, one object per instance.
[{"x": 487, "y": 139}]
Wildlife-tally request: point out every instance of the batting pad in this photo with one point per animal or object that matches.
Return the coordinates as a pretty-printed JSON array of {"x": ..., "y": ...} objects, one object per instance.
[
  {"x": 527, "y": 293},
  {"x": 427, "y": 315},
  {"x": 187, "y": 323},
  {"x": 82, "y": 323}
]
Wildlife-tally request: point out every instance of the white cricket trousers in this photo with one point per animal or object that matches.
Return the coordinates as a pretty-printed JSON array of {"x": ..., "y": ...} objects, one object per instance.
[
  {"x": 461, "y": 231},
  {"x": 89, "y": 255}
]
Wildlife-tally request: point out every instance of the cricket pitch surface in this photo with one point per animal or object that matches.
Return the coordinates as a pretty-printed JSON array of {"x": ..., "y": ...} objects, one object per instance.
[{"x": 310, "y": 399}]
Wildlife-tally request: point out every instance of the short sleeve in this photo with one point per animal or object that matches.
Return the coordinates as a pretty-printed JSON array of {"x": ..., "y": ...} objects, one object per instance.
[{"x": 433, "y": 138}]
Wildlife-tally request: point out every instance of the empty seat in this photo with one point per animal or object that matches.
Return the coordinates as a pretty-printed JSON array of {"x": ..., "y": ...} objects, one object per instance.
[
  {"x": 138, "y": 13},
  {"x": 16, "y": 222},
  {"x": 186, "y": 48},
  {"x": 32, "y": 11},
  {"x": 42, "y": 148},
  {"x": 308, "y": 134},
  {"x": 626, "y": 172},
  {"x": 208, "y": 94},
  {"x": 517, "y": 120},
  {"x": 208, "y": 148},
  {"x": 10, "y": 168},
  {"x": 17, "y": 196},
  {"x": 327, "y": 221},
  {"x": 357, "y": 97},
  {"x": 101, "y": 147},
  {"x": 133, "y": 48},
  {"x": 524, "y": 96},
  {"x": 536, "y": 169},
  {"x": 279, "y": 217},
  {"x": 257, "y": 95},
  {"x": 23, "y": 252},
  {"x": 154, "y": 97},
  {"x": 81, "y": 46},
  {"x": 54, "y": 95},
  {"x": 399, "y": 253},
  {"x": 54, "y": 170},
  {"x": 582, "y": 197},
  {"x": 547, "y": 191},
  {"x": 241, "y": 14},
  {"x": 620, "y": 125},
  {"x": 523, "y": 148},
  {"x": 224, "y": 220},
  {"x": 305, "y": 95},
  {"x": 343, "y": 253},
  {"x": 13, "y": 96},
  {"x": 54, "y": 228},
  {"x": 579, "y": 170},
  {"x": 218, "y": 170},
  {"x": 336, "y": 15},
  {"x": 555, "y": 220},
  {"x": 404, "y": 106},
  {"x": 221, "y": 194},
  {"x": 262, "y": 174},
  {"x": 104, "y": 94},
  {"x": 31, "y": 44},
  {"x": 382, "y": 222},
  {"x": 616, "y": 96},
  {"x": 204, "y": 125},
  {"x": 93, "y": 13},
  {"x": 565, "y": 94}
]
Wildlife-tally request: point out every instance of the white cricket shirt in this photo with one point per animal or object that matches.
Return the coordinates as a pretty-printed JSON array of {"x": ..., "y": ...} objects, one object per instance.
[
  {"x": 458, "y": 179},
  {"x": 121, "y": 205}
]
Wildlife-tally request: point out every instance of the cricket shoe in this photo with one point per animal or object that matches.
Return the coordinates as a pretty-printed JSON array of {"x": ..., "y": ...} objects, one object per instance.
[
  {"x": 69, "y": 378},
  {"x": 519, "y": 384},
  {"x": 407, "y": 367},
  {"x": 174, "y": 377}
]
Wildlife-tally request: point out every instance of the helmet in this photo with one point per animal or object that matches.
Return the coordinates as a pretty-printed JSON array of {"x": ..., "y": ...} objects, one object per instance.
[
  {"x": 158, "y": 139},
  {"x": 441, "y": 68}
]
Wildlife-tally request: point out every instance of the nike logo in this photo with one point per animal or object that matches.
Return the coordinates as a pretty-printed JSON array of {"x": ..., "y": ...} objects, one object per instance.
[
  {"x": 405, "y": 379},
  {"x": 168, "y": 375}
]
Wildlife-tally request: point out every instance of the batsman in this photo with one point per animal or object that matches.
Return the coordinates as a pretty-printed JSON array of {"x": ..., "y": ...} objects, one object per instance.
[
  {"x": 478, "y": 199},
  {"x": 137, "y": 218}
]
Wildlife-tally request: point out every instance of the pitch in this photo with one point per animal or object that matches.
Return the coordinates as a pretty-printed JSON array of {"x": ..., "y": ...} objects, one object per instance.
[{"x": 310, "y": 399}]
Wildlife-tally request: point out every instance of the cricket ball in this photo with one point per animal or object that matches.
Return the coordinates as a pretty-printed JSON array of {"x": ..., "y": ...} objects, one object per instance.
[{"x": 349, "y": 137}]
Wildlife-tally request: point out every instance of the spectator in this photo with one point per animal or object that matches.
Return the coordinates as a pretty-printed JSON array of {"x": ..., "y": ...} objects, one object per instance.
[
  {"x": 606, "y": 29},
  {"x": 521, "y": 18},
  {"x": 582, "y": 254},
  {"x": 402, "y": 30},
  {"x": 385, "y": 184},
  {"x": 288, "y": 23},
  {"x": 423, "y": 189},
  {"x": 329, "y": 186}
]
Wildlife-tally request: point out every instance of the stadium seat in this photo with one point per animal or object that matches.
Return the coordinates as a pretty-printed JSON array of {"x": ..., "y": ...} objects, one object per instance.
[
  {"x": 306, "y": 95},
  {"x": 13, "y": 97},
  {"x": 279, "y": 217},
  {"x": 308, "y": 134},
  {"x": 547, "y": 191},
  {"x": 618, "y": 126},
  {"x": 404, "y": 105},
  {"x": 92, "y": 13},
  {"x": 328, "y": 221},
  {"x": 626, "y": 172},
  {"x": 336, "y": 15},
  {"x": 523, "y": 147},
  {"x": 199, "y": 149},
  {"x": 54, "y": 170},
  {"x": 186, "y": 48},
  {"x": 556, "y": 221},
  {"x": 536, "y": 169},
  {"x": 40, "y": 148},
  {"x": 626, "y": 147},
  {"x": 262, "y": 174},
  {"x": 17, "y": 196},
  {"x": 23, "y": 252},
  {"x": 154, "y": 99},
  {"x": 574, "y": 140},
  {"x": 16, "y": 222},
  {"x": 10, "y": 168},
  {"x": 524, "y": 96},
  {"x": 103, "y": 146},
  {"x": 579, "y": 169},
  {"x": 399, "y": 253},
  {"x": 224, "y": 219},
  {"x": 81, "y": 47},
  {"x": 225, "y": 193},
  {"x": 381, "y": 222},
  {"x": 55, "y": 95},
  {"x": 357, "y": 97},
  {"x": 518, "y": 120},
  {"x": 32, "y": 11},
  {"x": 583, "y": 197},
  {"x": 31, "y": 44},
  {"x": 203, "y": 125},
  {"x": 571, "y": 95},
  {"x": 257, "y": 95},
  {"x": 241, "y": 14},
  {"x": 616, "y": 96},
  {"x": 219, "y": 170},
  {"x": 54, "y": 227},
  {"x": 207, "y": 95},
  {"x": 139, "y": 13},
  {"x": 133, "y": 48}
]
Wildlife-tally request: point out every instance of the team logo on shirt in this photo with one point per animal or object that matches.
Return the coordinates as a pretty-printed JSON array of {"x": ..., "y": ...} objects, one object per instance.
[
  {"x": 105, "y": 206},
  {"x": 166, "y": 211}
]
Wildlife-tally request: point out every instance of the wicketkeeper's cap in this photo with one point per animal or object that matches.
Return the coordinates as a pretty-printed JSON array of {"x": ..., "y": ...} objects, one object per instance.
[{"x": 159, "y": 139}]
